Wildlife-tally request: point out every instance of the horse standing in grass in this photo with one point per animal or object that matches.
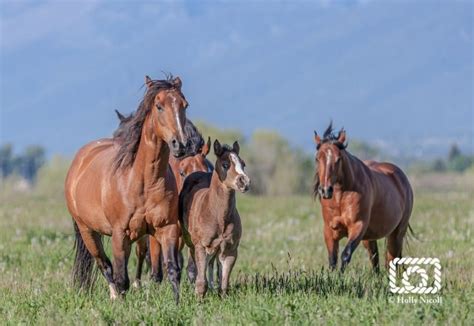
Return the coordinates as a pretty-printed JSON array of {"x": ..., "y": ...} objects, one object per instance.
[
  {"x": 363, "y": 201},
  {"x": 123, "y": 187},
  {"x": 209, "y": 217},
  {"x": 193, "y": 160}
]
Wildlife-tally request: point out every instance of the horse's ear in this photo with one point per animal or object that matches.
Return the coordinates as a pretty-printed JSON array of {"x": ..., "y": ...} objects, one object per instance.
[
  {"x": 341, "y": 137},
  {"x": 206, "y": 147},
  {"x": 217, "y": 148},
  {"x": 317, "y": 139},
  {"x": 236, "y": 147},
  {"x": 177, "y": 82},
  {"x": 120, "y": 116},
  {"x": 148, "y": 81}
]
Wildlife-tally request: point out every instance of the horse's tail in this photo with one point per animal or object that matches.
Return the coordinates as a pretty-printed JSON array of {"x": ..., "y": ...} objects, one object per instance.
[
  {"x": 83, "y": 273},
  {"x": 412, "y": 233}
]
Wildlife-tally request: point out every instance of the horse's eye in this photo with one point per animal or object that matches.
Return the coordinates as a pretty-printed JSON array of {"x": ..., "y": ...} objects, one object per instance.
[
  {"x": 181, "y": 173},
  {"x": 160, "y": 108},
  {"x": 225, "y": 165}
]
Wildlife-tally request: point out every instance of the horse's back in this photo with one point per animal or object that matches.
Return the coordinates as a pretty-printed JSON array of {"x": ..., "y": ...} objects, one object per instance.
[
  {"x": 391, "y": 180},
  {"x": 193, "y": 183},
  {"x": 391, "y": 171}
]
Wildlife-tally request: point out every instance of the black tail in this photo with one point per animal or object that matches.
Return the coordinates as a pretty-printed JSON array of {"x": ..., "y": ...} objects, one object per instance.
[
  {"x": 412, "y": 233},
  {"x": 83, "y": 273}
]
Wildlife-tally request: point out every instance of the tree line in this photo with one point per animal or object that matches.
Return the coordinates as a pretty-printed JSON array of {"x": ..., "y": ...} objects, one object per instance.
[
  {"x": 274, "y": 165},
  {"x": 26, "y": 164}
]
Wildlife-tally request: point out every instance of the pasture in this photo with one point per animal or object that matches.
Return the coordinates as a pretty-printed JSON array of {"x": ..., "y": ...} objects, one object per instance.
[{"x": 281, "y": 275}]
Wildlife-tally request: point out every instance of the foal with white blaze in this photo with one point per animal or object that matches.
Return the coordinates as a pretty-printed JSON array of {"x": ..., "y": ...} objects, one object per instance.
[{"x": 209, "y": 217}]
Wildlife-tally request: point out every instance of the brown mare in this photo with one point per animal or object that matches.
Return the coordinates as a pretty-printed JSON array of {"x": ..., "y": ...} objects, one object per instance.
[
  {"x": 193, "y": 160},
  {"x": 122, "y": 187},
  {"x": 209, "y": 217},
  {"x": 361, "y": 200}
]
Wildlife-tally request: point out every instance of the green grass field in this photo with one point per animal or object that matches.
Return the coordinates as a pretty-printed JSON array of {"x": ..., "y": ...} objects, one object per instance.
[{"x": 281, "y": 275}]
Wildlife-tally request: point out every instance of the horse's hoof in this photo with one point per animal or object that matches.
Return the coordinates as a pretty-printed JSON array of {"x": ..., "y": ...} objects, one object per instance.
[
  {"x": 136, "y": 284},
  {"x": 113, "y": 292}
]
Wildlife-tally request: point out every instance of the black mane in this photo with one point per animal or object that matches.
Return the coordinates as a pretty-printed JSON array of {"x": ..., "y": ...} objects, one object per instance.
[
  {"x": 128, "y": 134},
  {"x": 195, "y": 140},
  {"x": 330, "y": 137}
]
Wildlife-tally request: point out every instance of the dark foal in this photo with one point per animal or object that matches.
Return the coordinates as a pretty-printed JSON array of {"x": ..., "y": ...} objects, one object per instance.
[{"x": 209, "y": 217}]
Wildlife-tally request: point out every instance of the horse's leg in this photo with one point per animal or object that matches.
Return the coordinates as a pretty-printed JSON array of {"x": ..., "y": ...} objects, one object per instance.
[
  {"x": 356, "y": 231},
  {"x": 210, "y": 272},
  {"x": 394, "y": 247},
  {"x": 332, "y": 246},
  {"x": 121, "y": 246},
  {"x": 227, "y": 262},
  {"x": 191, "y": 268},
  {"x": 141, "y": 251},
  {"x": 395, "y": 239},
  {"x": 170, "y": 246},
  {"x": 93, "y": 242},
  {"x": 155, "y": 260},
  {"x": 201, "y": 265},
  {"x": 180, "y": 264},
  {"x": 373, "y": 250},
  {"x": 219, "y": 273}
]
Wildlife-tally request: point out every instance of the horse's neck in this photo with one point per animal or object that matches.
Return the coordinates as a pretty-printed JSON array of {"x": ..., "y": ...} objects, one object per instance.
[
  {"x": 152, "y": 157},
  {"x": 221, "y": 199},
  {"x": 351, "y": 169}
]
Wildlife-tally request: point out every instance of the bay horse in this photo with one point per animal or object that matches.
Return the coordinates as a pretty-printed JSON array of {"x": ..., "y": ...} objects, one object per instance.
[
  {"x": 208, "y": 214},
  {"x": 122, "y": 187},
  {"x": 193, "y": 160},
  {"x": 363, "y": 201}
]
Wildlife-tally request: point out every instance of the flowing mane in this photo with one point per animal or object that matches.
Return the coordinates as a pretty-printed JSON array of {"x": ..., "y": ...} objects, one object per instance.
[
  {"x": 330, "y": 137},
  {"x": 195, "y": 140},
  {"x": 128, "y": 134}
]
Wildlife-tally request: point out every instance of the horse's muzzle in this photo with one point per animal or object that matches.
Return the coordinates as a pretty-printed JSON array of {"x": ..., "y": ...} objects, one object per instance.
[
  {"x": 326, "y": 192},
  {"x": 178, "y": 149},
  {"x": 243, "y": 183}
]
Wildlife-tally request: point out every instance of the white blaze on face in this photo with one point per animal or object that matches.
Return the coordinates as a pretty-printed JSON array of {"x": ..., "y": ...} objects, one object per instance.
[
  {"x": 328, "y": 161},
  {"x": 237, "y": 164},
  {"x": 178, "y": 120}
]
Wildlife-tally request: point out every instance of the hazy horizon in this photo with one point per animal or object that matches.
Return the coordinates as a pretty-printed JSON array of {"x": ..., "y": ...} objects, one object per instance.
[{"x": 399, "y": 75}]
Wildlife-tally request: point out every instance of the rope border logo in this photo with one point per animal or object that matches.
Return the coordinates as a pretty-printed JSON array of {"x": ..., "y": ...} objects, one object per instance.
[{"x": 415, "y": 265}]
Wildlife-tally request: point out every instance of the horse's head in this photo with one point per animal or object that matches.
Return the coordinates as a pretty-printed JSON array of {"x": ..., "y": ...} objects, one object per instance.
[
  {"x": 196, "y": 162},
  {"x": 167, "y": 107},
  {"x": 328, "y": 161},
  {"x": 230, "y": 167}
]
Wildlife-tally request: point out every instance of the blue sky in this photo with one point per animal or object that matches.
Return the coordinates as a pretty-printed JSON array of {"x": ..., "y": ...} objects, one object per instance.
[{"x": 399, "y": 74}]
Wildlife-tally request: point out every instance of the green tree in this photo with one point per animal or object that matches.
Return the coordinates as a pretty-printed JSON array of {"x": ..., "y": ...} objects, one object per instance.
[
  {"x": 28, "y": 164},
  {"x": 6, "y": 160},
  {"x": 363, "y": 150},
  {"x": 454, "y": 152}
]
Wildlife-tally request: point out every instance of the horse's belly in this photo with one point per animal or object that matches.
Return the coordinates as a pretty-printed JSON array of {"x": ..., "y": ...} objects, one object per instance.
[
  {"x": 89, "y": 208},
  {"x": 383, "y": 222}
]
